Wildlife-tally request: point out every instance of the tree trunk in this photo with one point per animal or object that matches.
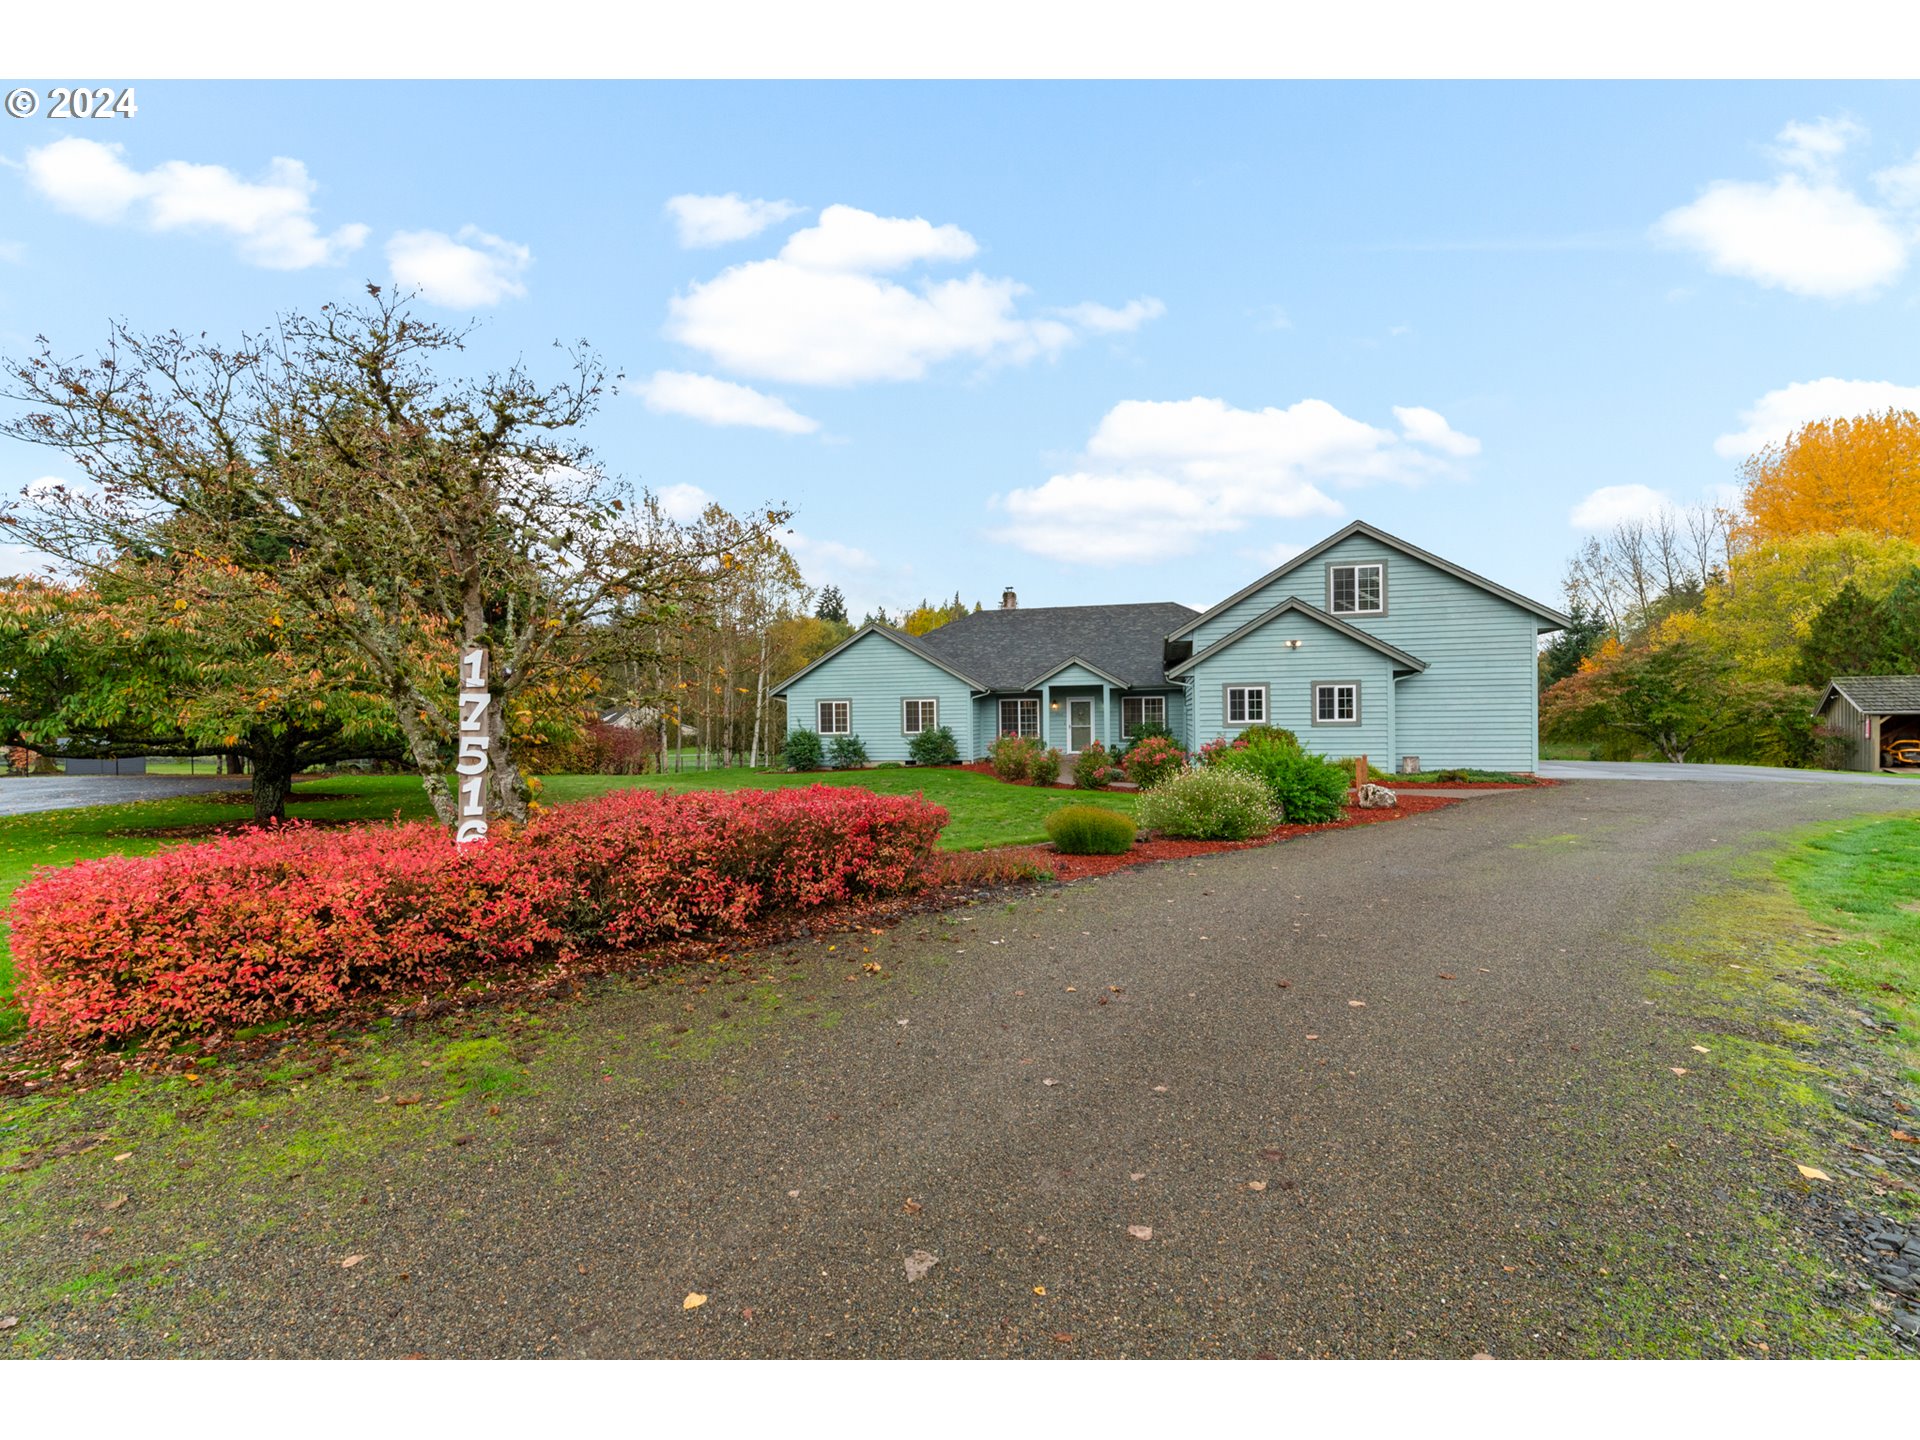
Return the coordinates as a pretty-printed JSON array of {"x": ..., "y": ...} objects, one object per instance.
[
  {"x": 759, "y": 699},
  {"x": 424, "y": 751},
  {"x": 511, "y": 793},
  {"x": 273, "y": 770}
]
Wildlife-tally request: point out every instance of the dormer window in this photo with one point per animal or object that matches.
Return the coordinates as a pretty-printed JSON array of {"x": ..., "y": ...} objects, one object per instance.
[{"x": 1357, "y": 589}]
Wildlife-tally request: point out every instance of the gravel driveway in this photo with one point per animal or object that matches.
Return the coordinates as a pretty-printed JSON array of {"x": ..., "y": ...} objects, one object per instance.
[
  {"x": 1386, "y": 1091},
  {"x": 1715, "y": 774}
]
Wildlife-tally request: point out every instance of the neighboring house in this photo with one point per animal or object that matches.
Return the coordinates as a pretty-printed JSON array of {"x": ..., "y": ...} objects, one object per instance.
[
  {"x": 1875, "y": 713},
  {"x": 1361, "y": 645}
]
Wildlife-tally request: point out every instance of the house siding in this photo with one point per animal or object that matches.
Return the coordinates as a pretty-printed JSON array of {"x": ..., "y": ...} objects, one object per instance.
[
  {"x": 1476, "y": 704},
  {"x": 1844, "y": 717},
  {"x": 875, "y": 674},
  {"x": 1263, "y": 658},
  {"x": 986, "y": 715}
]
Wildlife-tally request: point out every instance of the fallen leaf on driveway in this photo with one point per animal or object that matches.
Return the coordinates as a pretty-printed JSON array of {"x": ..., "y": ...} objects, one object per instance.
[
  {"x": 351, "y": 1261},
  {"x": 1679, "y": 1069},
  {"x": 1039, "y": 1289},
  {"x": 1358, "y": 1004},
  {"x": 1313, "y": 1037},
  {"x": 1159, "y": 1089},
  {"x": 1445, "y": 976},
  {"x": 913, "y": 1207},
  {"x": 1136, "y": 1175},
  {"x": 919, "y": 1263},
  {"x": 1140, "y": 1232},
  {"x": 1273, "y": 1156},
  {"x": 1062, "y": 1338},
  {"x": 1903, "y": 1135},
  {"x": 793, "y": 1194},
  {"x": 694, "y": 1298},
  {"x": 1256, "y": 1184},
  {"x": 1049, "y": 1082},
  {"x": 1811, "y": 1173}
]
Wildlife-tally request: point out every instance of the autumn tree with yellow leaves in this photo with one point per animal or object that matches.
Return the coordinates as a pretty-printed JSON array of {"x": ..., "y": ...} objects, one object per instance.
[{"x": 1860, "y": 474}]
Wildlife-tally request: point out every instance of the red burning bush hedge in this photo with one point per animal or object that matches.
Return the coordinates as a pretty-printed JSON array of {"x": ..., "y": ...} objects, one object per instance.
[{"x": 293, "y": 920}]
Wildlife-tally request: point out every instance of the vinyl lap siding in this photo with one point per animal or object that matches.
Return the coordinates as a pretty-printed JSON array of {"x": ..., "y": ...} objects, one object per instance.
[
  {"x": 1475, "y": 705},
  {"x": 875, "y": 674},
  {"x": 1263, "y": 658}
]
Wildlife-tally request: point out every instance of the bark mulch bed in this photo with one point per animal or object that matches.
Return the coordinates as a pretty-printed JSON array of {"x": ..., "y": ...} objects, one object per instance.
[{"x": 1081, "y": 867}]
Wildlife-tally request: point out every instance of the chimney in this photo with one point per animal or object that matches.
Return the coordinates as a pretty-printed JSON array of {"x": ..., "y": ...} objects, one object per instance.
[{"x": 1009, "y": 600}]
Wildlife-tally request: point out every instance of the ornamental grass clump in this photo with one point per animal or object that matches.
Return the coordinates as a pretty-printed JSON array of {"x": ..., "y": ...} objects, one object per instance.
[
  {"x": 1090, "y": 830},
  {"x": 1214, "y": 803},
  {"x": 291, "y": 920}
]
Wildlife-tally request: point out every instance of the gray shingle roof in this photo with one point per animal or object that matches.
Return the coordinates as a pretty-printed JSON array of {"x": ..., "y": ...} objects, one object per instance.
[
  {"x": 1008, "y": 649},
  {"x": 1881, "y": 694}
]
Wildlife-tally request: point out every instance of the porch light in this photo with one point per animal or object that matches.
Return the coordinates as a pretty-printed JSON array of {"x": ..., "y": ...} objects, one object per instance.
[
  {"x": 1295, "y": 644},
  {"x": 1054, "y": 706}
]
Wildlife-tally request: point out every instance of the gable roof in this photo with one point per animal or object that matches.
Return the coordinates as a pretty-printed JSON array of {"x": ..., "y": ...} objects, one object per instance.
[
  {"x": 1294, "y": 604},
  {"x": 1008, "y": 648},
  {"x": 1555, "y": 619},
  {"x": 1069, "y": 662},
  {"x": 1877, "y": 694},
  {"x": 899, "y": 637}
]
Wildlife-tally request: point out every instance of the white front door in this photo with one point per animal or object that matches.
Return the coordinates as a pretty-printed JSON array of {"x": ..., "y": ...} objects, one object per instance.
[{"x": 1079, "y": 725}]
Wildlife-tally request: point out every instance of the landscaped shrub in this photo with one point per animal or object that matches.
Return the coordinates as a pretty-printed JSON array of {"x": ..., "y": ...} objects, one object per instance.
[
  {"x": 292, "y": 920},
  {"x": 1046, "y": 767},
  {"x": 803, "y": 750},
  {"x": 1149, "y": 730},
  {"x": 599, "y": 749},
  {"x": 1095, "y": 768},
  {"x": 1090, "y": 830},
  {"x": 1214, "y": 803},
  {"x": 1278, "y": 734},
  {"x": 991, "y": 867},
  {"x": 1012, "y": 756},
  {"x": 1308, "y": 789},
  {"x": 1152, "y": 760},
  {"x": 848, "y": 753},
  {"x": 934, "y": 747}
]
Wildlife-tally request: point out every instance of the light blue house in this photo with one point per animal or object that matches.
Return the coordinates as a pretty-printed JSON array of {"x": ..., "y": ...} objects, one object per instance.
[{"x": 1361, "y": 645}]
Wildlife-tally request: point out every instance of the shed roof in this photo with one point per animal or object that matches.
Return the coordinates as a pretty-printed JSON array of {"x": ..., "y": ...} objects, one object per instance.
[{"x": 1877, "y": 694}]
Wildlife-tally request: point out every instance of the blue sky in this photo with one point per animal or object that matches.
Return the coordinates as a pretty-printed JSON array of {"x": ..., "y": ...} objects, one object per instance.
[{"x": 1142, "y": 341}]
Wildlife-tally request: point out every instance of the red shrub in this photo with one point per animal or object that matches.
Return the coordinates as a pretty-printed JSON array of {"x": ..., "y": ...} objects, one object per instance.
[{"x": 290, "y": 920}]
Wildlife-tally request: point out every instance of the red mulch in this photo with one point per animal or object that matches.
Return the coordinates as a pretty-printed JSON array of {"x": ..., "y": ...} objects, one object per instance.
[{"x": 1080, "y": 867}]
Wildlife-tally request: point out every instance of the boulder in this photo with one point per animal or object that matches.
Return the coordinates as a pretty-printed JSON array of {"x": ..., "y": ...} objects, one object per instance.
[{"x": 1375, "y": 797}]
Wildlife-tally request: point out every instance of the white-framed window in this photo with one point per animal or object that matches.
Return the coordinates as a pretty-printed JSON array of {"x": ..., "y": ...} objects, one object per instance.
[
  {"x": 1138, "y": 710},
  {"x": 1246, "y": 705},
  {"x": 1020, "y": 717},
  {"x": 836, "y": 717},
  {"x": 918, "y": 715},
  {"x": 1357, "y": 589},
  {"x": 1336, "y": 702}
]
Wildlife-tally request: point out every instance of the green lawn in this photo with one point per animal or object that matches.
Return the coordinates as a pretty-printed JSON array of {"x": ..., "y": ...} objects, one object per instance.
[
  {"x": 1862, "y": 878},
  {"x": 985, "y": 813}
]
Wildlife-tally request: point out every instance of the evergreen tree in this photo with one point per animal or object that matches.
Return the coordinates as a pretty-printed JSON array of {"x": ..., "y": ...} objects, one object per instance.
[
  {"x": 1572, "y": 645},
  {"x": 1847, "y": 637},
  {"x": 832, "y": 606},
  {"x": 1900, "y": 622}
]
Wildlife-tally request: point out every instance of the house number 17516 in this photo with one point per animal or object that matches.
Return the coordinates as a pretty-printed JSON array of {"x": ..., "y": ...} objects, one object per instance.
[{"x": 471, "y": 763}]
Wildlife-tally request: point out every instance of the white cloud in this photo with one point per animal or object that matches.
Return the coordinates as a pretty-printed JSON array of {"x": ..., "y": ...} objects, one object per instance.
[
  {"x": 1430, "y": 427},
  {"x": 683, "y": 502},
  {"x": 719, "y": 402},
  {"x": 1778, "y": 413},
  {"x": 708, "y": 220},
  {"x": 270, "y": 221},
  {"x": 1815, "y": 145},
  {"x": 1162, "y": 476},
  {"x": 1803, "y": 232},
  {"x": 1612, "y": 504},
  {"x": 850, "y": 239},
  {"x": 1812, "y": 239},
  {"x": 459, "y": 271},
  {"x": 819, "y": 313},
  {"x": 1101, "y": 319},
  {"x": 1899, "y": 185}
]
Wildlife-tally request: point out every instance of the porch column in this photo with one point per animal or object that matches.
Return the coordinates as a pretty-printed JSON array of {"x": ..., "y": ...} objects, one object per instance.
[
  {"x": 1046, "y": 716},
  {"x": 1106, "y": 714}
]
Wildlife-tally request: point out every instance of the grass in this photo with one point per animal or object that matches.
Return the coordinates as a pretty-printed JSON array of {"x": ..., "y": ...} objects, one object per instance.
[
  {"x": 985, "y": 813},
  {"x": 1861, "y": 880}
]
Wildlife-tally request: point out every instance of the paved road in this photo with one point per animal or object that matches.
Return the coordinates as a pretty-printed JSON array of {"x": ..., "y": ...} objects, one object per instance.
[
  {"x": 1443, "y": 1166},
  {"x": 1713, "y": 774},
  {"x": 29, "y": 794}
]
